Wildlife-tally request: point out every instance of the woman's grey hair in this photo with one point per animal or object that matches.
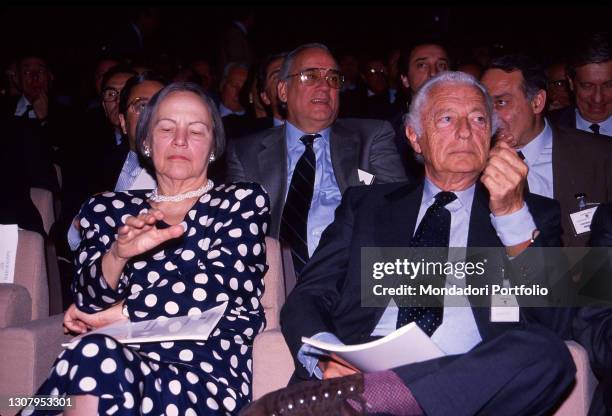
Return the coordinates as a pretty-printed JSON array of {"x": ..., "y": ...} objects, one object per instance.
[
  {"x": 283, "y": 74},
  {"x": 414, "y": 117},
  {"x": 145, "y": 122}
]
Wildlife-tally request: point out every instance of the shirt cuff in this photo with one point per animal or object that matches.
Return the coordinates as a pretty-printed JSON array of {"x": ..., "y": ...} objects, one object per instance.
[
  {"x": 309, "y": 355},
  {"x": 515, "y": 228},
  {"x": 74, "y": 237}
]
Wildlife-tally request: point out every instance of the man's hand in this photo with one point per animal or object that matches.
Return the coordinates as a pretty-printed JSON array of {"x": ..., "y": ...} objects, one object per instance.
[
  {"x": 504, "y": 177},
  {"x": 81, "y": 322},
  {"x": 335, "y": 366},
  {"x": 41, "y": 106}
]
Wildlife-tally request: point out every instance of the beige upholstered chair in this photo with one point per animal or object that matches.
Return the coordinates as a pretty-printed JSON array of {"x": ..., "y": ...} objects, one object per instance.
[
  {"x": 43, "y": 201},
  {"x": 31, "y": 271}
]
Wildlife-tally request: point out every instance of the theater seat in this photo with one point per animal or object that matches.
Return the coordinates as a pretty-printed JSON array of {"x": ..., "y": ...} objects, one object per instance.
[{"x": 43, "y": 201}]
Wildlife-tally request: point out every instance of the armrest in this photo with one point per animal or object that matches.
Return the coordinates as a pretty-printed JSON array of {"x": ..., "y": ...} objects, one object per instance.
[
  {"x": 27, "y": 353},
  {"x": 15, "y": 305},
  {"x": 272, "y": 363},
  {"x": 579, "y": 399}
]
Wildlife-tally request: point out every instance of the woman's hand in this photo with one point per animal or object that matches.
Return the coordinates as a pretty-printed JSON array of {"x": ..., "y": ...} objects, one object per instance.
[
  {"x": 81, "y": 322},
  {"x": 139, "y": 234}
]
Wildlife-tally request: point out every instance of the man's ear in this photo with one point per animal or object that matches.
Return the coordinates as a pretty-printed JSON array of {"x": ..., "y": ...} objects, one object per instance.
[
  {"x": 413, "y": 139},
  {"x": 122, "y": 122},
  {"x": 281, "y": 89},
  {"x": 571, "y": 84},
  {"x": 538, "y": 102},
  {"x": 263, "y": 96},
  {"x": 405, "y": 81}
]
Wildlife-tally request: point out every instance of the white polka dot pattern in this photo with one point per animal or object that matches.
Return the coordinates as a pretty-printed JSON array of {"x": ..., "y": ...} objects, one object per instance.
[{"x": 220, "y": 258}]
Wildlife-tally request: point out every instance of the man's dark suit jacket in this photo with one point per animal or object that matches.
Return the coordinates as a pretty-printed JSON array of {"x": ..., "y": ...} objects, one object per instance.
[
  {"x": 328, "y": 296},
  {"x": 582, "y": 163},
  {"x": 593, "y": 325},
  {"x": 355, "y": 144}
]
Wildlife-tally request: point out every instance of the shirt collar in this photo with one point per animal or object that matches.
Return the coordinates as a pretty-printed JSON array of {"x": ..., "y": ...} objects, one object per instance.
[
  {"x": 277, "y": 122},
  {"x": 534, "y": 148},
  {"x": 224, "y": 111},
  {"x": 463, "y": 201},
  {"x": 583, "y": 124},
  {"x": 22, "y": 106},
  {"x": 293, "y": 135}
]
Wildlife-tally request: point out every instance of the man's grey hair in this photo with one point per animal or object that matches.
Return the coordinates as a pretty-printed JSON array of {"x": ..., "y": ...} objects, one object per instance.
[
  {"x": 283, "y": 74},
  {"x": 414, "y": 118},
  {"x": 228, "y": 68}
]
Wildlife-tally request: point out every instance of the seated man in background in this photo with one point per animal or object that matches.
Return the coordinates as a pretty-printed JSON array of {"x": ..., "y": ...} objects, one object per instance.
[
  {"x": 472, "y": 196},
  {"x": 306, "y": 164},
  {"x": 590, "y": 77}
]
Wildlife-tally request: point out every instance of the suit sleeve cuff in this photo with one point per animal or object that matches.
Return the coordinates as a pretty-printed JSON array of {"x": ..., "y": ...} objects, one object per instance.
[
  {"x": 514, "y": 228},
  {"x": 309, "y": 355}
]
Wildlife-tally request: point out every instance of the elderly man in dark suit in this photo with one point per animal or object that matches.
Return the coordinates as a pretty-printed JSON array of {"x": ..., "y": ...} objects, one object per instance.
[
  {"x": 472, "y": 196},
  {"x": 307, "y": 164},
  {"x": 562, "y": 162},
  {"x": 590, "y": 77}
]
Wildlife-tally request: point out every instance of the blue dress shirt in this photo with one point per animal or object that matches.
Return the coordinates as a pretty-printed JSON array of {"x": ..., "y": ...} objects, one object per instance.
[
  {"x": 538, "y": 157},
  {"x": 326, "y": 196}
]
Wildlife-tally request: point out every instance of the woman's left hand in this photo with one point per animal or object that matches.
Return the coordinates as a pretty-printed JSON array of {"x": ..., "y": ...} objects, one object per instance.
[{"x": 81, "y": 322}]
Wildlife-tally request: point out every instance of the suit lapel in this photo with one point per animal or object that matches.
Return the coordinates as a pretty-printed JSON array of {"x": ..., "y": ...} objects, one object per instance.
[
  {"x": 344, "y": 148},
  {"x": 404, "y": 205},
  {"x": 481, "y": 233},
  {"x": 272, "y": 163}
]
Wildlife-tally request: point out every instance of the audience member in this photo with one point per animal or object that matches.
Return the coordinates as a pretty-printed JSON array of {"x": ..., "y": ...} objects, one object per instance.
[
  {"x": 557, "y": 87},
  {"x": 562, "y": 162},
  {"x": 234, "y": 77},
  {"x": 353, "y": 92},
  {"x": 590, "y": 77},
  {"x": 139, "y": 239},
  {"x": 287, "y": 160},
  {"x": 464, "y": 201},
  {"x": 417, "y": 64},
  {"x": 379, "y": 103},
  {"x": 236, "y": 45}
]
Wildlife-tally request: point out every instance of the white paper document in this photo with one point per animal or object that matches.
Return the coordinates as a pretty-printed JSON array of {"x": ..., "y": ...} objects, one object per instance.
[
  {"x": 8, "y": 252},
  {"x": 192, "y": 327},
  {"x": 407, "y": 345}
]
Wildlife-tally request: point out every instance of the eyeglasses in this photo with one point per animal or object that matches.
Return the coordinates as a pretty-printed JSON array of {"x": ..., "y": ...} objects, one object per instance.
[
  {"x": 561, "y": 83},
  {"x": 138, "y": 104},
  {"x": 110, "y": 94},
  {"x": 312, "y": 76},
  {"x": 380, "y": 71}
]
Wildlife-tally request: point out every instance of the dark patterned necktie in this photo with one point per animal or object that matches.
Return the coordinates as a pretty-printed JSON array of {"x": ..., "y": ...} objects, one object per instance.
[
  {"x": 522, "y": 156},
  {"x": 294, "y": 221},
  {"x": 595, "y": 128},
  {"x": 433, "y": 231}
]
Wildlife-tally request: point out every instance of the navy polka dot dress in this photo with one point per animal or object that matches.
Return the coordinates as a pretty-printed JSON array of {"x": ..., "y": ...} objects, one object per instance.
[{"x": 221, "y": 257}]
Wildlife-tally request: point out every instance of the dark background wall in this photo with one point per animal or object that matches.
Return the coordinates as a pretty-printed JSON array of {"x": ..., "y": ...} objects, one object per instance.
[{"x": 73, "y": 35}]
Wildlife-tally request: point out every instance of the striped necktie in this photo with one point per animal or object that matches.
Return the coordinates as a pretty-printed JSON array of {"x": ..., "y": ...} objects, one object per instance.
[{"x": 294, "y": 221}]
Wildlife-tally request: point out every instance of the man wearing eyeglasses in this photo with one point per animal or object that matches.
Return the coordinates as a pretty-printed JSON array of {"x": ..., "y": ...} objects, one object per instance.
[{"x": 307, "y": 164}]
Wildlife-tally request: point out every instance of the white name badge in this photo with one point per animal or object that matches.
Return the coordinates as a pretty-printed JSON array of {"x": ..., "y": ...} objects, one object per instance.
[
  {"x": 365, "y": 178},
  {"x": 504, "y": 308},
  {"x": 581, "y": 220}
]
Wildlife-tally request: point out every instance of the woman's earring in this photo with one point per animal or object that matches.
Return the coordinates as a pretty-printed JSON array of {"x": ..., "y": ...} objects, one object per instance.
[
  {"x": 147, "y": 151},
  {"x": 212, "y": 157}
]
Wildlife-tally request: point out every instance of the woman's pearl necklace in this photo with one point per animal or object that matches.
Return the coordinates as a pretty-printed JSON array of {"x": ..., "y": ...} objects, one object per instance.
[{"x": 155, "y": 197}]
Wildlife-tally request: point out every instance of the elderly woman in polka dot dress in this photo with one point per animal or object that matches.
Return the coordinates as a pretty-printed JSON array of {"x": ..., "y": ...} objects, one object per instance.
[{"x": 185, "y": 247}]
